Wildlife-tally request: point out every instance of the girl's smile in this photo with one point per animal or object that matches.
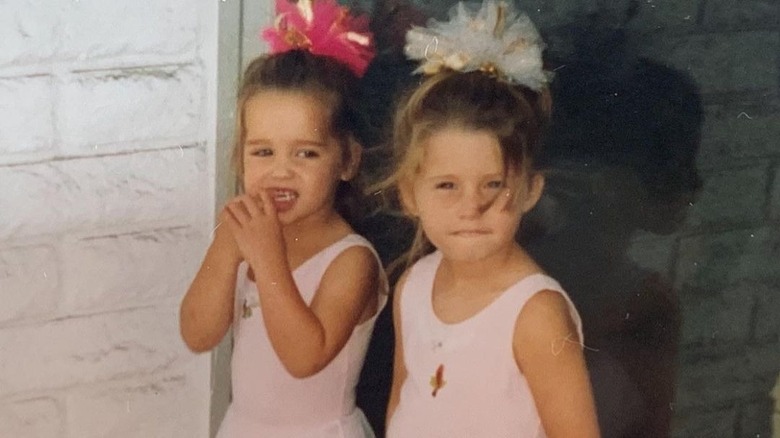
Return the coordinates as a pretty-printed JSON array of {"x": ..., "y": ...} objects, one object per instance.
[{"x": 283, "y": 199}]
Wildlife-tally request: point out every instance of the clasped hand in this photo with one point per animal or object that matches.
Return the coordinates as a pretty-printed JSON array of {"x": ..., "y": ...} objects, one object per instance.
[{"x": 254, "y": 224}]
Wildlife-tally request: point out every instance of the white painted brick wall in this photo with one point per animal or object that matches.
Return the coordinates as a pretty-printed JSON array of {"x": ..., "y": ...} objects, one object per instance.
[
  {"x": 29, "y": 281},
  {"x": 28, "y": 31},
  {"x": 27, "y": 124},
  {"x": 37, "y": 418},
  {"x": 107, "y": 115},
  {"x": 90, "y": 31},
  {"x": 87, "y": 349},
  {"x": 129, "y": 28},
  {"x": 146, "y": 408},
  {"x": 96, "y": 275},
  {"x": 157, "y": 106},
  {"x": 68, "y": 195}
]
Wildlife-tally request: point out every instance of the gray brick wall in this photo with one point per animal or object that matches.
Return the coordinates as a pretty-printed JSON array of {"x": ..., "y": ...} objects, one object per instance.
[
  {"x": 728, "y": 266},
  {"x": 725, "y": 260}
]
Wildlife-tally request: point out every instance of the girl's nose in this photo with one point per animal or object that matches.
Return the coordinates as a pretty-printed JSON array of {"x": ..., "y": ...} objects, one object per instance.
[
  {"x": 471, "y": 205},
  {"x": 281, "y": 168}
]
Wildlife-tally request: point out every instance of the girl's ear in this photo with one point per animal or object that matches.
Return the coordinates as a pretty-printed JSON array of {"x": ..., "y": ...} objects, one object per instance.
[
  {"x": 352, "y": 163},
  {"x": 406, "y": 195},
  {"x": 535, "y": 188}
]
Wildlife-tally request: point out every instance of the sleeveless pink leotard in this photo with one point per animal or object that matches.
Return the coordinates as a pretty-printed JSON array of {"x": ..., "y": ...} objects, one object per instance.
[
  {"x": 462, "y": 379},
  {"x": 267, "y": 400}
]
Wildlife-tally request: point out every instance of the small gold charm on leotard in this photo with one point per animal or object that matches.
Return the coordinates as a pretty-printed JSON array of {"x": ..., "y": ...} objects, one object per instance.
[
  {"x": 247, "y": 311},
  {"x": 437, "y": 380}
]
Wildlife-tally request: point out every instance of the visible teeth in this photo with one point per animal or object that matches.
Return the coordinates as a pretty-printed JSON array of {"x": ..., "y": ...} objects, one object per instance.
[{"x": 284, "y": 196}]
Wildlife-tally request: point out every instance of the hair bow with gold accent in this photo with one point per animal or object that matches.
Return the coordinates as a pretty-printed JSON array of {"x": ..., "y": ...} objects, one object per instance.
[{"x": 495, "y": 39}]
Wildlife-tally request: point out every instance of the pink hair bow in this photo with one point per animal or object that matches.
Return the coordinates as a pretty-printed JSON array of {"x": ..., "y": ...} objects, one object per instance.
[{"x": 324, "y": 28}]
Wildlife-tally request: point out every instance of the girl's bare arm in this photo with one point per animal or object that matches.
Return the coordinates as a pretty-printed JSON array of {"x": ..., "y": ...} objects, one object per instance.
[
  {"x": 207, "y": 309},
  {"x": 549, "y": 353},
  {"x": 307, "y": 338}
]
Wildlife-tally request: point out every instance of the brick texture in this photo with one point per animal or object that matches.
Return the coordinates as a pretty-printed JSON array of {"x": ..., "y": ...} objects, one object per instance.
[
  {"x": 129, "y": 270},
  {"x": 33, "y": 418},
  {"x": 739, "y": 133},
  {"x": 27, "y": 124},
  {"x": 30, "y": 281},
  {"x": 714, "y": 261},
  {"x": 723, "y": 62},
  {"x": 155, "y": 105},
  {"x": 735, "y": 196},
  {"x": 115, "y": 409},
  {"x": 105, "y": 210},
  {"x": 80, "y": 350},
  {"x": 60, "y": 196}
]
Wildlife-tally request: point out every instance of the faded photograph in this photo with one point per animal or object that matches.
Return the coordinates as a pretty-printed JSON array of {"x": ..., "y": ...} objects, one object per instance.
[{"x": 137, "y": 221}]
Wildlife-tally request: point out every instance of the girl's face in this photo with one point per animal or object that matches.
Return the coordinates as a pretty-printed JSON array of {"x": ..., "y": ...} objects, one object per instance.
[
  {"x": 461, "y": 197},
  {"x": 290, "y": 153}
]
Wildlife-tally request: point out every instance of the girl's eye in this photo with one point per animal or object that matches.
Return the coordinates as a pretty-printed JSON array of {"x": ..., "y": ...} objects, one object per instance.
[
  {"x": 307, "y": 153},
  {"x": 262, "y": 152},
  {"x": 498, "y": 184},
  {"x": 445, "y": 185}
]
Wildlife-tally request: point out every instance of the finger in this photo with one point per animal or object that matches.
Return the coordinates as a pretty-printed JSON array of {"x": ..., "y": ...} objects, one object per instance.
[
  {"x": 238, "y": 210},
  {"x": 225, "y": 214},
  {"x": 268, "y": 203},
  {"x": 252, "y": 206}
]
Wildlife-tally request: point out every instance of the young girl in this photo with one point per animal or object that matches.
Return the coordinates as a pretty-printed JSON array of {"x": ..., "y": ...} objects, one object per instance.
[
  {"x": 487, "y": 345},
  {"x": 285, "y": 268}
]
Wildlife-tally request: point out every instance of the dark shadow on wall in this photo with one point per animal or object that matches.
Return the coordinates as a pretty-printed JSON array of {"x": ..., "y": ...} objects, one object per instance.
[
  {"x": 619, "y": 160},
  {"x": 388, "y": 76}
]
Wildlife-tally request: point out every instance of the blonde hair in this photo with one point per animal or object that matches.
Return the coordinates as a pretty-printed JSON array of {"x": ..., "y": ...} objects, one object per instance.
[{"x": 516, "y": 115}]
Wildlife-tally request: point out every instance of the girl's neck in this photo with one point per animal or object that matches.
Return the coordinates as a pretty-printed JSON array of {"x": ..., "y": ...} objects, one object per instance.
[
  {"x": 310, "y": 228},
  {"x": 463, "y": 289},
  {"x": 306, "y": 238},
  {"x": 510, "y": 262}
]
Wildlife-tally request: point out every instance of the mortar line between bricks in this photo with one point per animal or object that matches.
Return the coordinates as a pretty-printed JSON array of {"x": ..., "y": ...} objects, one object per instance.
[
  {"x": 135, "y": 232},
  {"x": 59, "y": 158},
  {"x": 772, "y": 169},
  {"x": 63, "y": 68},
  {"x": 177, "y": 65},
  {"x": 39, "y": 322},
  {"x": 716, "y": 229}
]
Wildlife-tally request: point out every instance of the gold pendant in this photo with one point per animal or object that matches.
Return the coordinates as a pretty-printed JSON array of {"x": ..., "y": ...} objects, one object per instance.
[
  {"x": 437, "y": 380},
  {"x": 247, "y": 311}
]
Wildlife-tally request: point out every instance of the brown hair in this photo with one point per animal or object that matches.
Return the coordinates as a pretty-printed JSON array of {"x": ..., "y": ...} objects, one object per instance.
[
  {"x": 330, "y": 81},
  {"x": 476, "y": 100}
]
